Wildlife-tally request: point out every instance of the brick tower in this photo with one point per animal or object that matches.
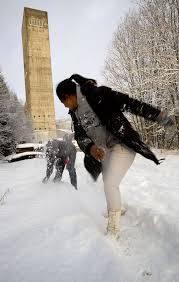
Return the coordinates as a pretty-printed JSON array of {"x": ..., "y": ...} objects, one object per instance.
[{"x": 38, "y": 74}]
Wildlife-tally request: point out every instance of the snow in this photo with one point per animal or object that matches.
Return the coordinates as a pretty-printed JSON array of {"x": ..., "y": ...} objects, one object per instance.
[
  {"x": 65, "y": 130},
  {"x": 54, "y": 233},
  {"x": 27, "y": 145},
  {"x": 19, "y": 155}
]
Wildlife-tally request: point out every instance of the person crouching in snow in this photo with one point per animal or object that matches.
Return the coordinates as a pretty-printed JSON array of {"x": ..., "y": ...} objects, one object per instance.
[
  {"x": 61, "y": 153},
  {"x": 106, "y": 136}
]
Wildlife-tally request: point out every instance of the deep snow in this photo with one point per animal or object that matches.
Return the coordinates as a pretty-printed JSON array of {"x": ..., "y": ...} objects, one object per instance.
[{"x": 54, "y": 233}]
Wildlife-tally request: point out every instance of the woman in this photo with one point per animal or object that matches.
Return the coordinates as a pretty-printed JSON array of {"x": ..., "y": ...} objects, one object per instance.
[{"x": 105, "y": 135}]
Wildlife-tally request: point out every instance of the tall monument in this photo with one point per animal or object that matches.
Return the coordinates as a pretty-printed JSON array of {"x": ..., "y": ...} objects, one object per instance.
[{"x": 38, "y": 74}]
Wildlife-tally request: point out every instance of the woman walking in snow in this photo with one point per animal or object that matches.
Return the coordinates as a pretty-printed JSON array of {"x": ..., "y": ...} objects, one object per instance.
[{"x": 105, "y": 135}]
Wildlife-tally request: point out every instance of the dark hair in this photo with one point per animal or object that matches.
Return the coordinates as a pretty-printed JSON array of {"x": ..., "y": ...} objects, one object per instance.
[
  {"x": 65, "y": 88},
  {"x": 68, "y": 86},
  {"x": 82, "y": 80}
]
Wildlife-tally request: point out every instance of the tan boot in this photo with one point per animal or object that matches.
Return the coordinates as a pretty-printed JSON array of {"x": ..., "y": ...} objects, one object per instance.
[
  {"x": 113, "y": 227},
  {"x": 123, "y": 212}
]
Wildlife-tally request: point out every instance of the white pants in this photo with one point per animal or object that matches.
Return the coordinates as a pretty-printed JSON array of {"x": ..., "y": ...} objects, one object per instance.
[{"x": 115, "y": 165}]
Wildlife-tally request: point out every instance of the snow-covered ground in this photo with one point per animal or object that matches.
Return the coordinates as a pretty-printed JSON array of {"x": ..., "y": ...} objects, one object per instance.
[{"x": 54, "y": 233}]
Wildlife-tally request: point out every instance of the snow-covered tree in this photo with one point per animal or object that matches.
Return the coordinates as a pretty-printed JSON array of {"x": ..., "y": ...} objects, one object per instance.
[
  {"x": 14, "y": 126},
  {"x": 7, "y": 140},
  {"x": 21, "y": 124},
  {"x": 144, "y": 61}
]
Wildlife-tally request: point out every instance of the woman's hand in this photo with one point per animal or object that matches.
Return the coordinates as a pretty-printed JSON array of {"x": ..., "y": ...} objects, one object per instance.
[
  {"x": 164, "y": 119},
  {"x": 97, "y": 153}
]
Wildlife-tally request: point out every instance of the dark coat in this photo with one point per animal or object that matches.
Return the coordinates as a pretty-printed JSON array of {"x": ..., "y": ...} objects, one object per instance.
[
  {"x": 61, "y": 153},
  {"x": 109, "y": 106}
]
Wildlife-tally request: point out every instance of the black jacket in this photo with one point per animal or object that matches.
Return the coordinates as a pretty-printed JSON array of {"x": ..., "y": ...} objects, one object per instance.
[{"x": 109, "y": 106}]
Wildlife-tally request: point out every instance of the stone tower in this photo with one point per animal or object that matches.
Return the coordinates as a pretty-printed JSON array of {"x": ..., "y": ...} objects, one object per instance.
[{"x": 38, "y": 74}]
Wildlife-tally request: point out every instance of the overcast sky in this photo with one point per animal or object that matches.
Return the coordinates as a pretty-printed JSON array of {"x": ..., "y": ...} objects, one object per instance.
[{"x": 81, "y": 32}]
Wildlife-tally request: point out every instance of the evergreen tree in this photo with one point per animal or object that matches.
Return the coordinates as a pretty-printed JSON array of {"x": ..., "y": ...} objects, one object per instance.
[{"x": 14, "y": 125}]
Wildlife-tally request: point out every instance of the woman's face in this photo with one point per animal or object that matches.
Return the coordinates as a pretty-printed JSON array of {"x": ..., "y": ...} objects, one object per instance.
[{"x": 70, "y": 102}]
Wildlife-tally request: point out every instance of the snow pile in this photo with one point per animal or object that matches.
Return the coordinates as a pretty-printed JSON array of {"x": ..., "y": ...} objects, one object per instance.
[
  {"x": 24, "y": 155},
  {"x": 30, "y": 145},
  {"x": 54, "y": 233}
]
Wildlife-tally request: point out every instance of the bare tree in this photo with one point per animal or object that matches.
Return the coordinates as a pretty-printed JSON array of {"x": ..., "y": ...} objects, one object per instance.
[{"x": 144, "y": 62}]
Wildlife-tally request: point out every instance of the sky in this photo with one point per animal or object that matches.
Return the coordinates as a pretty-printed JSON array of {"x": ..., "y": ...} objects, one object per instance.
[{"x": 80, "y": 31}]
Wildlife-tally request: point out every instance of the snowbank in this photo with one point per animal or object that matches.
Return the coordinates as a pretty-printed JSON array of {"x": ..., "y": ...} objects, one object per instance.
[
  {"x": 54, "y": 233},
  {"x": 23, "y": 156}
]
